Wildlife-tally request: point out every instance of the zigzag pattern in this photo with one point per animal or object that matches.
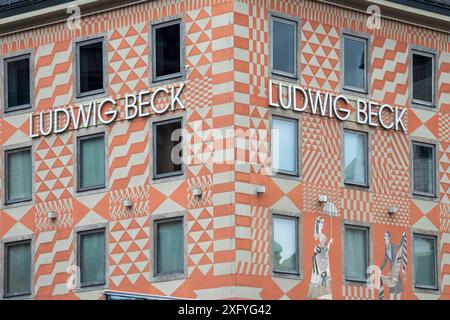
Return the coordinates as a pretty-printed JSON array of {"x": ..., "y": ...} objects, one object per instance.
[
  {"x": 139, "y": 197},
  {"x": 129, "y": 154},
  {"x": 53, "y": 75},
  {"x": 64, "y": 214},
  {"x": 389, "y": 74}
]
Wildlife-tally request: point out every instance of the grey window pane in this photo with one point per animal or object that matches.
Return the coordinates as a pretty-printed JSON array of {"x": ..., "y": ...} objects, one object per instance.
[
  {"x": 169, "y": 246},
  {"x": 91, "y": 67},
  {"x": 18, "y": 82},
  {"x": 285, "y": 244},
  {"x": 92, "y": 161},
  {"x": 92, "y": 258},
  {"x": 422, "y": 78},
  {"x": 355, "y": 149},
  {"x": 424, "y": 261},
  {"x": 423, "y": 166},
  {"x": 354, "y": 63},
  {"x": 284, "y": 145},
  {"x": 167, "y": 50},
  {"x": 356, "y": 253},
  {"x": 167, "y": 158},
  {"x": 18, "y": 277},
  {"x": 19, "y": 175},
  {"x": 283, "y": 46}
]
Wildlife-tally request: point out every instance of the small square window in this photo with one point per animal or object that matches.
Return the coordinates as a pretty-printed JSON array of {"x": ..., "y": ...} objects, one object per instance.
[
  {"x": 168, "y": 151},
  {"x": 425, "y": 267},
  {"x": 19, "y": 175},
  {"x": 91, "y": 162},
  {"x": 355, "y": 63},
  {"x": 169, "y": 246},
  {"x": 423, "y": 78},
  {"x": 90, "y": 67},
  {"x": 285, "y": 244},
  {"x": 424, "y": 169},
  {"x": 284, "y": 47},
  {"x": 356, "y": 253},
  {"x": 17, "y": 268},
  {"x": 167, "y": 58},
  {"x": 18, "y": 85},
  {"x": 356, "y": 157},
  {"x": 92, "y": 257},
  {"x": 285, "y": 145}
]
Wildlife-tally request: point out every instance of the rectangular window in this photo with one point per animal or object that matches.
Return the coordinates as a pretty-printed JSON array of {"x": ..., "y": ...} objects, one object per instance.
[
  {"x": 355, "y": 157},
  {"x": 423, "y": 78},
  {"x": 356, "y": 253},
  {"x": 169, "y": 246},
  {"x": 18, "y": 85},
  {"x": 167, "y": 149},
  {"x": 92, "y": 257},
  {"x": 91, "y": 162},
  {"x": 18, "y": 175},
  {"x": 425, "y": 261},
  {"x": 18, "y": 268},
  {"x": 285, "y": 244},
  {"x": 90, "y": 67},
  {"x": 424, "y": 169},
  {"x": 355, "y": 63},
  {"x": 285, "y": 145},
  {"x": 167, "y": 58},
  {"x": 284, "y": 47}
]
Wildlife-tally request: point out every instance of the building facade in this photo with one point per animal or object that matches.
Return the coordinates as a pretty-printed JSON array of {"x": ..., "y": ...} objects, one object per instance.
[{"x": 315, "y": 149}]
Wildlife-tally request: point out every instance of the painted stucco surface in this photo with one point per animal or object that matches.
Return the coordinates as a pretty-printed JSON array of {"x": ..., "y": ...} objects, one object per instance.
[{"x": 228, "y": 240}]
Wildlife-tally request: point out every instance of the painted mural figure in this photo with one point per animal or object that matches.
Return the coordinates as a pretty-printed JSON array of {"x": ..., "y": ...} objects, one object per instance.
[
  {"x": 396, "y": 256},
  {"x": 320, "y": 286}
]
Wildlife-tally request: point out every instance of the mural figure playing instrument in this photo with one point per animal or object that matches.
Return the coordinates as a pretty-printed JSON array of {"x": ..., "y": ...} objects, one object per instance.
[
  {"x": 396, "y": 255},
  {"x": 320, "y": 286}
]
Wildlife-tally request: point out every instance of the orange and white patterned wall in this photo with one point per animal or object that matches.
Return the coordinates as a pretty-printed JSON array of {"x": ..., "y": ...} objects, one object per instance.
[{"x": 228, "y": 237}]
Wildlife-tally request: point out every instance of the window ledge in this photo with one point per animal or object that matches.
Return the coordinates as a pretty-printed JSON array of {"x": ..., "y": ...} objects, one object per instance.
[
  {"x": 291, "y": 276},
  {"x": 91, "y": 288},
  {"x": 425, "y": 197},
  {"x": 168, "y": 277},
  {"x": 168, "y": 178},
  {"x": 88, "y": 192},
  {"x": 17, "y": 204},
  {"x": 424, "y": 106}
]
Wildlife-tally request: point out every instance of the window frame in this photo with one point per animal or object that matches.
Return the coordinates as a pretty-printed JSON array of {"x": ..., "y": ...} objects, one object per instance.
[
  {"x": 155, "y": 125},
  {"x": 100, "y": 228},
  {"x": 153, "y": 28},
  {"x": 6, "y": 175},
  {"x": 78, "y": 44},
  {"x": 158, "y": 219},
  {"x": 296, "y": 173},
  {"x": 435, "y": 238},
  {"x": 428, "y": 105},
  {"x": 353, "y": 183},
  {"x": 278, "y": 214},
  {"x": 365, "y": 40},
  {"x": 434, "y": 174},
  {"x": 5, "y": 62},
  {"x": 291, "y": 21},
  {"x": 79, "y": 140},
  {"x": 4, "y": 248},
  {"x": 366, "y": 229}
]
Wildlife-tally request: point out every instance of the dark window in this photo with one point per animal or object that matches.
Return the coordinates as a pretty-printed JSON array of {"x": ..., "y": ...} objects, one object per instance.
[
  {"x": 90, "y": 75},
  {"x": 423, "y": 78},
  {"x": 167, "y": 50},
  {"x": 18, "y": 83},
  {"x": 284, "y": 47},
  {"x": 285, "y": 244},
  {"x": 356, "y": 157},
  {"x": 92, "y": 258},
  {"x": 18, "y": 268},
  {"x": 168, "y": 148},
  {"x": 425, "y": 261},
  {"x": 356, "y": 253},
  {"x": 18, "y": 175},
  {"x": 424, "y": 171},
  {"x": 91, "y": 162},
  {"x": 169, "y": 246},
  {"x": 355, "y": 69}
]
